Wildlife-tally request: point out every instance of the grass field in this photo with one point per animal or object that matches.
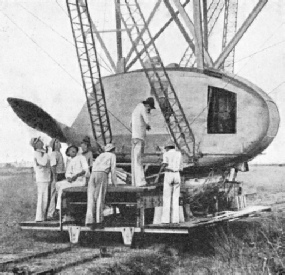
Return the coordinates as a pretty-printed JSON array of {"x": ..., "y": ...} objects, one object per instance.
[{"x": 248, "y": 247}]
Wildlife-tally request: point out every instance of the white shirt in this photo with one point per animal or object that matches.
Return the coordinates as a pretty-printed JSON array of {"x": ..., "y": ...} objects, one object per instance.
[
  {"x": 75, "y": 166},
  {"x": 89, "y": 157},
  {"x": 140, "y": 118},
  {"x": 174, "y": 160},
  {"x": 106, "y": 162},
  {"x": 42, "y": 166},
  {"x": 56, "y": 159}
]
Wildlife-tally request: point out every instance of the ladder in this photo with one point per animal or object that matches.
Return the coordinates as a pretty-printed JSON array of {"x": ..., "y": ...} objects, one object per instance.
[
  {"x": 161, "y": 86},
  {"x": 230, "y": 28},
  {"x": 90, "y": 70}
]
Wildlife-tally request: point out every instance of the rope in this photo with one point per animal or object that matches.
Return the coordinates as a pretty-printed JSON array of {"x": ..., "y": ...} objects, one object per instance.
[
  {"x": 262, "y": 50},
  {"x": 46, "y": 24},
  {"x": 44, "y": 51},
  {"x": 72, "y": 44},
  {"x": 276, "y": 87},
  {"x": 62, "y": 9},
  {"x": 273, "y": 33},
  {"x": 120, "y": 121}
]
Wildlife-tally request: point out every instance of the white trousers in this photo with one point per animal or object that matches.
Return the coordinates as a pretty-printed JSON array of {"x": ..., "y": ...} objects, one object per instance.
[
  {"x": 138, "y": 178},
  {"x": 97, "y": 188},
  {"x": 42, "y": 202},
  {"x": 171, "y": 192},
  {"x": 60, "y": 185},
  {"x": 51, "y": 208}
]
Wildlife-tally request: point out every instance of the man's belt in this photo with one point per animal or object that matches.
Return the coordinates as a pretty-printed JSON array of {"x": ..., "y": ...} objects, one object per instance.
[{"x": 170, "y": 170}]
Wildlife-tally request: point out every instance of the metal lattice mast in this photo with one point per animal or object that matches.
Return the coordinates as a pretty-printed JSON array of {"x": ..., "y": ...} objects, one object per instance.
[
  {"x": 213, "y": 13},
  {"x": 230, "y": 28},
  {"x": 90, "y": 70},
  {"x": 188, "y": 59},
  {"x": 158, "y": 78}
]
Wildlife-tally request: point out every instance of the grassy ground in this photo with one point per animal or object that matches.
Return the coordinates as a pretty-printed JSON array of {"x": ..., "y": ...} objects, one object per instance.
[
  {"x": 17, "y": 203},
  {"x": 245, "y": 247}
]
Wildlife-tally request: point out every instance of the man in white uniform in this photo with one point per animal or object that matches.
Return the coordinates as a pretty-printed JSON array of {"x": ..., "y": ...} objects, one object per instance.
[
  {"x": 140, "y": 123},
  {"x": 104, "y": 165},
  {"x": 43, "y": 177},
  {"x": 76, "y": 172},
  {"x": 172, "y": 163},
  {"x": 58, "y": 174}
]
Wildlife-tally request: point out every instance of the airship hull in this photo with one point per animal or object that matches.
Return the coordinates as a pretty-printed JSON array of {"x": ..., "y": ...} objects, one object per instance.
[{"x": 232, "y": 119}]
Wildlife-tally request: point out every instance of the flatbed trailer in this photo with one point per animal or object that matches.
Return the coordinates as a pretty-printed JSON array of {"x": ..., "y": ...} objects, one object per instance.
[{"x": 135, "y": 216}]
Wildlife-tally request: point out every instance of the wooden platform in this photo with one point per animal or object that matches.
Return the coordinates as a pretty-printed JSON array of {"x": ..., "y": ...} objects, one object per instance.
[
  {"x": 152, "y": 228},
  {"x": 136, "y": 213},
  {"x": 128, "y": 231}
]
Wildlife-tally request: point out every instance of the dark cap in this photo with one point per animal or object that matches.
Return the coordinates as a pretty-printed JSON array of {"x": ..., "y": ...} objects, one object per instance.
[
  {"x": 69, "y": 147},
  {"x": 150, "y": 101}
]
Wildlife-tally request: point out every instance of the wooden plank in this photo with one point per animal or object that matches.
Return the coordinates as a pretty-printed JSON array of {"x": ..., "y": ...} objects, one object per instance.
[
  {"x": 226, "y": 216},
  {"x": 181, "y": 228},
  {"x": 40, "y": 224},
  {"x": 113, "y": 189}
]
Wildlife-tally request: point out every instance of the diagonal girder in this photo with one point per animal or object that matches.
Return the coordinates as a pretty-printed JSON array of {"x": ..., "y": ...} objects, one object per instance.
[
  {"x": 239, "y": 34},
  {"x": 211, "y": 15},
  {"x": 155, "y": 37},
  {"x": 188, "y": 22},
  {"x": 155, "y": 8},
  {"x": 158, "y": 78}
]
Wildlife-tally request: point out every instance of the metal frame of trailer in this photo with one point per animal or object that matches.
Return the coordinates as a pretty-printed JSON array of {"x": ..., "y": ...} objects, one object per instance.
[{"x": 140, "y": 199}]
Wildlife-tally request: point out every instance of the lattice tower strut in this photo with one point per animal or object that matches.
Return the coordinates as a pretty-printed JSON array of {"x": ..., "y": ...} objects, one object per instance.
[
  {"x": 90, "y": 70},
  {"x": 230, "y": 28}
]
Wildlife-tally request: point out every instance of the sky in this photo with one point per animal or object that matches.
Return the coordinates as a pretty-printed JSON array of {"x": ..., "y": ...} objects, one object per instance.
[{"x": 39, "y": 63}]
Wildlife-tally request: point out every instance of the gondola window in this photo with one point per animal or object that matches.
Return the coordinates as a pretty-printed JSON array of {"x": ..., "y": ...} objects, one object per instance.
[{"x": 222, "y": 111}]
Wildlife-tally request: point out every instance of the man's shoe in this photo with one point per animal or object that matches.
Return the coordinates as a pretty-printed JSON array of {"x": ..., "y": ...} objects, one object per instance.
[{"x": 56, "y": 215}]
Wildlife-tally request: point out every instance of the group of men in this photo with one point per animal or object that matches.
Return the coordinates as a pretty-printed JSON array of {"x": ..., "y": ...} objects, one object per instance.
[
  {"x": 77, "y": 172},
  {"x": 52, "y": 177}
]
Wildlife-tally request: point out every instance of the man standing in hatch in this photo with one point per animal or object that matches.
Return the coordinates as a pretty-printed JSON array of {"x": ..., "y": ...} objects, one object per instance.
[{"x": 140, "y": 123}]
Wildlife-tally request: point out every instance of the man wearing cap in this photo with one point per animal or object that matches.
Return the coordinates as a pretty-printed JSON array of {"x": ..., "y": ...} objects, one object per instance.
[
  {"x": 86, "y": 151},
  {"x": 76, "y": 173},
  {"x": 104, "y": 165},
  {"x": 140, "y": 123},
  {"x": 58, "y": 174},
  {"x": 43, "y": 177},
  {"x": 172, "y": 164}
]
